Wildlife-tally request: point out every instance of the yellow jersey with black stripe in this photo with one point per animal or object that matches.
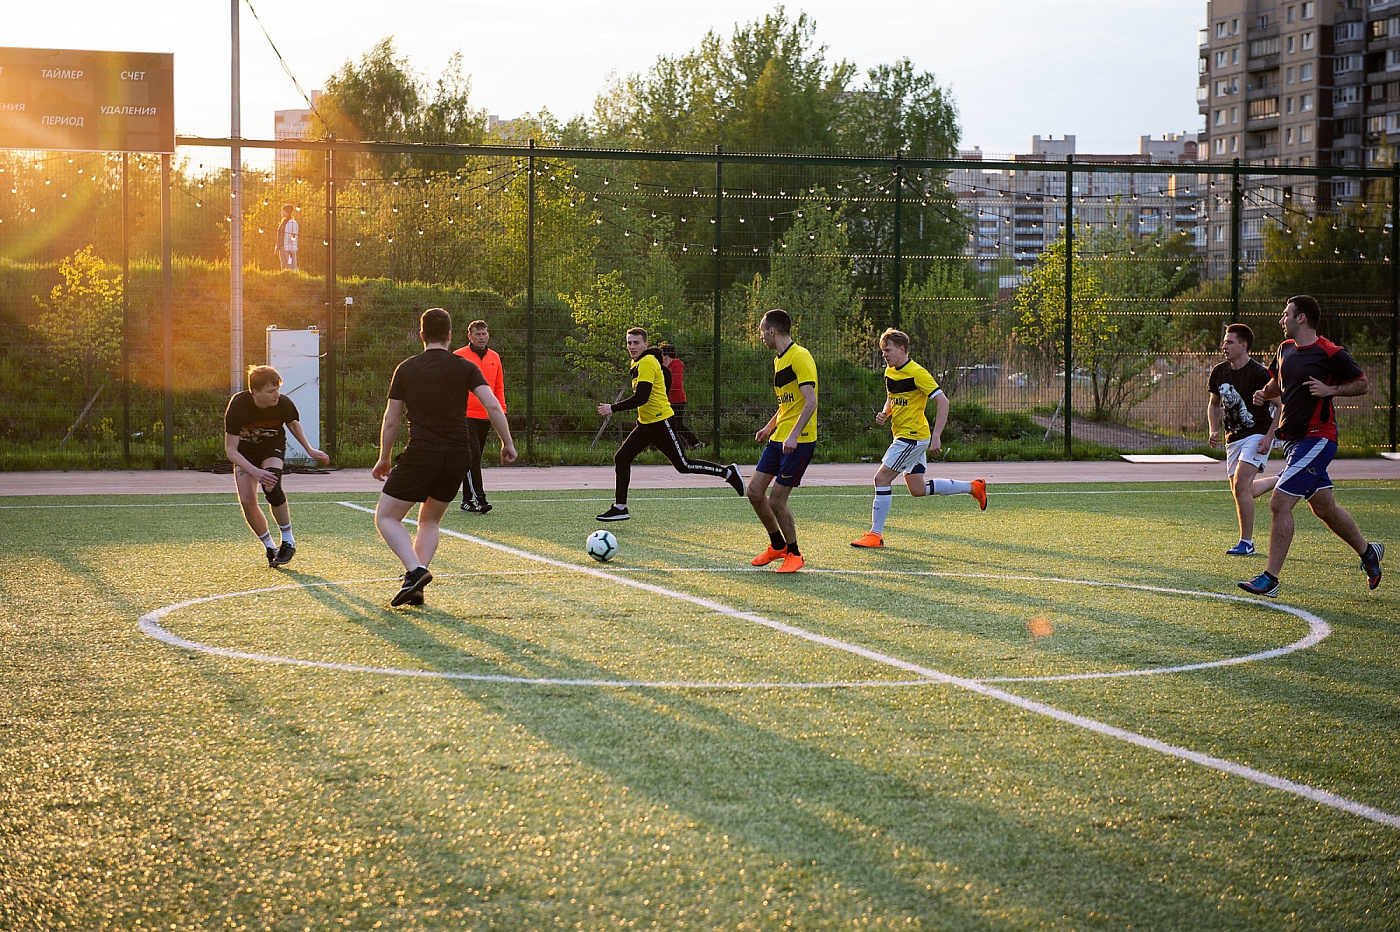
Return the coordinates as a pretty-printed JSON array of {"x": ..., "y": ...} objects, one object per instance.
[
  {"x": 656, "y": 407},
  {"x": 910, "y": 386},
  {"x": 793, "y": 369}
]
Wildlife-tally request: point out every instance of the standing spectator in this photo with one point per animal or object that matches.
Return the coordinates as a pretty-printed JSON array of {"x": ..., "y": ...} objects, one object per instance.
[
  {"x": 489, "y": 362},
  {"x": 286, "y": 246},
  {"x": 1308, "y": 371},
  {"x": 676, "y": 394}
]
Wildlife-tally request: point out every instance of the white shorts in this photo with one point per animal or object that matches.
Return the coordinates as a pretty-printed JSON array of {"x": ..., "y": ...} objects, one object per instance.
[
  {"x": 907, "y": 456},
  {"x": 1245, "y": 450}
]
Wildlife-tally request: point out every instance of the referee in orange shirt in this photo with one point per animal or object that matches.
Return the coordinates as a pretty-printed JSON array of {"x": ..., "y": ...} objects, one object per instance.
[{"x": 489, "y": 362}]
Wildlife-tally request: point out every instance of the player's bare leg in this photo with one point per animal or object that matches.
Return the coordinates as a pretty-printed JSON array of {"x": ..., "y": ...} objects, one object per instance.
[{"x": 1338, "y": 519}]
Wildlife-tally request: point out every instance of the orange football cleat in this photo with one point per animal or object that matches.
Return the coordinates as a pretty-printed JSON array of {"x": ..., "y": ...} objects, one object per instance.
[
  {"x": 871, "y": 539},
  {"x": 768, "y": 556},
  {"x": 979, "y": 492},
  {"x": 792, "y": 563}
]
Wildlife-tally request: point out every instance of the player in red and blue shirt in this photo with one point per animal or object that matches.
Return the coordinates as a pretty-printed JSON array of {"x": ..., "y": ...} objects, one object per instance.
[{"x": 1308, "y": 371}]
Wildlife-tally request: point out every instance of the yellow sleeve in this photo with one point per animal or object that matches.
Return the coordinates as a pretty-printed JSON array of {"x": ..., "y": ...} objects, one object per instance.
[
  {"x": 925, "y": 382},
  {"x": 805, "y": 368}
]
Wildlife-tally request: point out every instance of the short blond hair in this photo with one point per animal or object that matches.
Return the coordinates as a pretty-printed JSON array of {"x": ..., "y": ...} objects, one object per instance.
[
  {"x": 262, "y": 376},
  {"x": 898, "y": 337}
]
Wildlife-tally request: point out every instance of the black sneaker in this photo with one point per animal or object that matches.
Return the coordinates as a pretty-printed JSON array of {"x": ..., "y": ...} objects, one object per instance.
[
  {"x": 483, "y": 507},
  {"x": 285, "y": 553},
  {"x": 470, "y": 506},
  {"x": 734, "y": 478},
  {"x": 1263, "y": 584},
  {"x": 615, "y": 513},
  {"x": 413, "y": 582},
  {"x": 416, "y": 598},
  {"x": 1371, "y": 563},
  {"x": 272, "y": 558}
]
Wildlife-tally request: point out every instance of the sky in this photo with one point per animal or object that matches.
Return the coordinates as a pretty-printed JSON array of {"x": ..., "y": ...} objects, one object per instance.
[{"x": 1105, "y": 71}]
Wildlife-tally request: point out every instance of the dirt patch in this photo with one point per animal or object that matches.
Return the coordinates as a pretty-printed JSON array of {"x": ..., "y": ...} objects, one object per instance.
[{"x": 1118, "y": 436}]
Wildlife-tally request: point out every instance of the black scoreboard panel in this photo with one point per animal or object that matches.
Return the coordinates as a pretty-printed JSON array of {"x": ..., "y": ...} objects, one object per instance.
[{"x": 70, "y": 100}]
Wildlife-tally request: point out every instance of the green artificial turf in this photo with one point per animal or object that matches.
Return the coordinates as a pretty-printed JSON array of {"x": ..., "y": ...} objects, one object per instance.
[{"x": 146, "y": 786}]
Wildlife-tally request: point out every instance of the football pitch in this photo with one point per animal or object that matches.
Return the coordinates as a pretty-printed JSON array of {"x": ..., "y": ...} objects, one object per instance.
[{"x": 1059, "y": 713}]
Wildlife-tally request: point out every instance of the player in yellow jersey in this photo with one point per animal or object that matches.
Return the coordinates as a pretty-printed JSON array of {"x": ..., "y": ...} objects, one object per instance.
[
  {"x": 909, "y": 387},
  {"x": 654, "y": 427},
  {"x": 791, "y": 435}
]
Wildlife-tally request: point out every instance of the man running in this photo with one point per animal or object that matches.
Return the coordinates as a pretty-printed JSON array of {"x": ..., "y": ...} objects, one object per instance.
[
  {"x": 431, "y": 389},
  {"x": 908, "y": 387},
  {"x": 1308, "y": 371},
  {"x": 1249, "y": 428},
  {"x": 655, "y": 427},
  {"x": 791, "y": 439}
]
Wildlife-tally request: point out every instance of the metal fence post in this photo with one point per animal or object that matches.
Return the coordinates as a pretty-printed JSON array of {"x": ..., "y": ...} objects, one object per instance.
[
  {"x": 530, "y": 304},
  {"x": 719, "y": 245},
  {"x": 330, "y": 354},
  {"x": 1394, "y": 298},
  {"x": 167, "y": 287},
  {"x": 1069, "y": 304},
  {"x": 898, "y": 242},
  {"x": 1236, "y": 203},
  {"x": 126, "y": 318}
]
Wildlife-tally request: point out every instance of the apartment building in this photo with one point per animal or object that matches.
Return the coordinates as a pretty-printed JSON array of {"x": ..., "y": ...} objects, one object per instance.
[
  {"x": 291, "y": 124},
  {"x": 1296, "y": 82},
  {"x": 1016, "y": 214}
]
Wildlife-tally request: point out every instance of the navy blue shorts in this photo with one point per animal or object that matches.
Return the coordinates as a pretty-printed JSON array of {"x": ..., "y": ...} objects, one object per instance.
[
  {"x": 1305, "y": 465},
  {"x": 787, "y": 467}
]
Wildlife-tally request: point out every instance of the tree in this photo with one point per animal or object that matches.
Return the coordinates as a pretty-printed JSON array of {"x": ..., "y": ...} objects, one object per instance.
[
  {"x": 81, "y": 324},
  {"x": 604, "y": 314},
  {"x": 810, "y": 278},
  {"x": 380, "y": 99},
  {"x": 945, "y": 322}
]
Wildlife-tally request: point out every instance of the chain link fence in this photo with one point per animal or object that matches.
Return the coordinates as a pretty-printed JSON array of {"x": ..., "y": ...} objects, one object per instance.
[{"x": 1067, "y": 308}]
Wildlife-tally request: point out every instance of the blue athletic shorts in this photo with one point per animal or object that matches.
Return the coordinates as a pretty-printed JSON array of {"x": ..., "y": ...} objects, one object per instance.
[
  {"x": 1305, "y": 465},
  {"x": 787, "y": 467}
]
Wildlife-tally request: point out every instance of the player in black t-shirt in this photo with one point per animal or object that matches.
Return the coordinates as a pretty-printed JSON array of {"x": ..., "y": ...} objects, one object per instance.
[
  {"x": 255, "y": 441},
  {"x": 1249, "y": 428},
  {"x": 1307, "y": 373},
  {"x": 431, "y": 389}
]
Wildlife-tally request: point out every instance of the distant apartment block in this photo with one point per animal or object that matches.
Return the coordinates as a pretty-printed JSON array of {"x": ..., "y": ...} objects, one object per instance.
[
  {"x": 1016, "y": 214},
  {"x": 292, "y": 124}
]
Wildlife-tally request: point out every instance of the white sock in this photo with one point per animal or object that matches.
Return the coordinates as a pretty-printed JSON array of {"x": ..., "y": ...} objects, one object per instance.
[
  {"x": 949, "y": 487},
  {"x": 1246, "y": 540},
  {"x": 266, "y": 540},
  {"x": 287, "y": 537},
  {"x": 880, "y": 509}
]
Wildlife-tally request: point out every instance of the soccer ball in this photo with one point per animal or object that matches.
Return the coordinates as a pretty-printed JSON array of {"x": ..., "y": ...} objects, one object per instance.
[{"x": 601, "y": 545}]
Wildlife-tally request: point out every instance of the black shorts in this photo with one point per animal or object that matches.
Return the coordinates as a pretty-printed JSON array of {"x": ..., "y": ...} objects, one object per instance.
[
  {"x": 422, "y": 474},
  {"x": 259, "y": 453}
]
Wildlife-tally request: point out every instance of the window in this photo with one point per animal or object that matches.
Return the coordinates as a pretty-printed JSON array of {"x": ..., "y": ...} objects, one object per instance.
[
  {"x": 1220, "y": 118},
  {"x": 1222, "y": 58},
  {"x": 1288, "y": 136},
  {"x": 1346, "y": 63},
  {"x": 1306, "y": 40},
  {"x": 1305, "y": 133},
  {"x": 1289, "y": 76},
  {"x": 1220, "y": 145},
  {"x": 1308, "y": 9},
  {"x": 1343, "y": 32},
  {"x": 1392, "y": 60},
  {"x": 1288, "y": 105},
  {"x": 1375, "y": 124},
  {"x": 1305, "y": 103},
  {"x": 1343, "y": 95},
  {"x": 1305, "y": 72},
  {"x": 1305, "y": 162},
  {"x": 1379, "y": 29},
  {"x": 1264, "y": 109},
  {"x": 1292, "y": 13},
  {"x": 1222, "y": 30},
  {"x": 1222, "y": 88},
  {"x": 1290, "y": 45},
  {"x": 1234, "y": 114},
  {"x": 1392, "y": 26},
  {"x": 1220, "y": 232},
  {"x": 1235, "y": 26},
  {"x": 1234, "y": 143},
  {"x": 1235, "y": 55},
  {"x": 1261, "y": 47}
]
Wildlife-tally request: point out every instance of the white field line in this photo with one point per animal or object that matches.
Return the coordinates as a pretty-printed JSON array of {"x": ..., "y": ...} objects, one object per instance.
[{"x": 1205, "y": 760}]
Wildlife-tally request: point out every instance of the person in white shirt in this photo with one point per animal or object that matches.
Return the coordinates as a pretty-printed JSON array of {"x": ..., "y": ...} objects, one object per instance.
[{"x": 286, "y": 246}]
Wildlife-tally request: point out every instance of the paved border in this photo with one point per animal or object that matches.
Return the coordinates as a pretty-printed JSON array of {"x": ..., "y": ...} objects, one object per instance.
[{"x": 552, "y": 478}]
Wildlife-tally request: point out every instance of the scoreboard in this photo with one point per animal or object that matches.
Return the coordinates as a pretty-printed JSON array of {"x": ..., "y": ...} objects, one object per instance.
[{"x": 69, "y": 100}]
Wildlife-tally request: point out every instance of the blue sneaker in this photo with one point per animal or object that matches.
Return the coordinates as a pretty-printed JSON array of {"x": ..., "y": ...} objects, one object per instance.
[
  {"x": 1371, "y": 563},
  {"x": 1263, "y": 584},
  {"x": 1242, "y": 549}
]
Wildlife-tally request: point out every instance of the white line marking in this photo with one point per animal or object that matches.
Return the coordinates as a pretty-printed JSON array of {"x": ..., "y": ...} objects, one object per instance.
[{"x": 150, "y": 625}]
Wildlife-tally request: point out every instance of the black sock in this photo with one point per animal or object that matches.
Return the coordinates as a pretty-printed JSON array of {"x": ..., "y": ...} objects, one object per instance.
[
  {"x": 792, "y": 548},
  {"x": 776, "y": 539}
]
